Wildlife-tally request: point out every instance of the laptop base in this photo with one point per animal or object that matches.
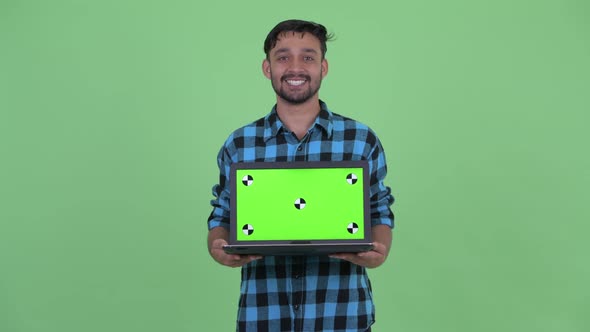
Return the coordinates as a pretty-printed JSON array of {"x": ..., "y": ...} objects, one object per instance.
[{"x": 296, "y": 249}]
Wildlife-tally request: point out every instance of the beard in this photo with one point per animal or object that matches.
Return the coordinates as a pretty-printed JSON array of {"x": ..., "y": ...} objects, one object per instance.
[{"x": 296, "y": 97}]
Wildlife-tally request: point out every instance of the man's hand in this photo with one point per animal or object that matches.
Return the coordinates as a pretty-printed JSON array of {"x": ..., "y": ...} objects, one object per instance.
[
  {"x": 370, "y": 259},
  {"x": 226, "y": 259},
  {"x": 381, "y": 243},
  {"x": 217, "y": 238}
]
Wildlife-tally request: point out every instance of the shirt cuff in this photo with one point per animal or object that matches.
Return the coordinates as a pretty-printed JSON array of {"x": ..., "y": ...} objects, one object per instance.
[{"x": 382, "y": 221}]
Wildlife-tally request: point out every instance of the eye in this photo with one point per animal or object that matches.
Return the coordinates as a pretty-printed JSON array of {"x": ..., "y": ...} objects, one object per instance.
[
  {"x": 282, "y": 58},
  {"x": 308, "y": 58}
]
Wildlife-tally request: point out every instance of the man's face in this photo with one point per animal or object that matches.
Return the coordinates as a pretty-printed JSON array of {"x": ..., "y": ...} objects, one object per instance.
[{"x": 295, "y": 67}]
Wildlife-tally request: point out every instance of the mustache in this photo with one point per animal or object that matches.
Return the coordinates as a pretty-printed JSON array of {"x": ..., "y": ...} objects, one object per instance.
[{"x": 292, "y": 76}]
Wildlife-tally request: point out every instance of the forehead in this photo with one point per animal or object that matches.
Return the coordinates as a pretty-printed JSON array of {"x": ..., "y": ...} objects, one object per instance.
[{"x": 296, "y": 41}]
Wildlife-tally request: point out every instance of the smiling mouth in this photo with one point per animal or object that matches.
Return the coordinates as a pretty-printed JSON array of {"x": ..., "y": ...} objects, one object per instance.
[{"x": 295, "y": 82}]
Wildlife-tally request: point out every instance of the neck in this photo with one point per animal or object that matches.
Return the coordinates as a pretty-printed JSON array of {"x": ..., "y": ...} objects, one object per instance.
[{"x": 298, "y": 118}]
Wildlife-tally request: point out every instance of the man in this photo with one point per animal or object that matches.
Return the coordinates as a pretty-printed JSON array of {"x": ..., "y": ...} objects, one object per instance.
[{"x": 302, "y": 293}]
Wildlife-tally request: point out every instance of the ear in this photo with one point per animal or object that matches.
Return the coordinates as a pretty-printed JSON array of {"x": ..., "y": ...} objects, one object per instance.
[
  {"x": 266, "y": 68},
  {"x": 324, "y": 68}
]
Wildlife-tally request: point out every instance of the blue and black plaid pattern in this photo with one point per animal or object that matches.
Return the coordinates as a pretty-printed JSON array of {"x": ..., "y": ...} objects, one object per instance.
[{"x": 308, "y": 293}]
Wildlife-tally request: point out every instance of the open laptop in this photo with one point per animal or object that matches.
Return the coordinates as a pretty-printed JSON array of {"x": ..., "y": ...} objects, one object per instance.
[{"x": 299, "y": 208}]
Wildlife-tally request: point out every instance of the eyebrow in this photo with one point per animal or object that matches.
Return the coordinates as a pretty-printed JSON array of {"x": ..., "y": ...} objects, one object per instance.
[{"x": 286, "y": 50}]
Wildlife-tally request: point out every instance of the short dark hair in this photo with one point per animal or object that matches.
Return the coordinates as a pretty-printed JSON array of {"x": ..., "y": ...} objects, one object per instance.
[{"x": 316, "y": 29}]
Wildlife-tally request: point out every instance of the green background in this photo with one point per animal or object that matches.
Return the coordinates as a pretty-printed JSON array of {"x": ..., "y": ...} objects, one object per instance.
[
  {"x": 112, "y": 113},
  {"x": 331, "y": 204}
]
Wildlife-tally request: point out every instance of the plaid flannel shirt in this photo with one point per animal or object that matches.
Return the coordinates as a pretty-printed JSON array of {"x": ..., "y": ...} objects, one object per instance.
[{"x": 304, "y": 293}]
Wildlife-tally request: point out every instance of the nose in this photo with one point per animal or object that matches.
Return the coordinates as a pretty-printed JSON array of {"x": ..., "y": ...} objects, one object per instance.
[{"x": 296, "y": 65}]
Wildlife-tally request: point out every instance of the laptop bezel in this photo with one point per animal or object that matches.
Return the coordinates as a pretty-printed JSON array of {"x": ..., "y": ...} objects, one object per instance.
[{"x": 363, "y": 164}]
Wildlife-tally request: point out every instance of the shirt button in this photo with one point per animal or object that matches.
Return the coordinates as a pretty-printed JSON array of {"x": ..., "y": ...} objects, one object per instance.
[
  {"x": 299, "y": 148},
  {"x": 297, "y": 276},
  {"x": 296, "y": 307}
]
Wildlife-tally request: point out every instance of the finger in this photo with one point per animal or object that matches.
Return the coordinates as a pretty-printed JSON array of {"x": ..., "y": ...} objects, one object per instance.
[
  {"x": 218, "y": 244},
  {"x": 227, "y": 259},
  {"x": 369, "y": 253},
  {"x": 379, "y": 247},
  {"x": 240, "y": 260},
  {"x": 237, "y": 263},
  {"x": 367, "y": 259},
  {"x": 345, "y": 256},
  {"x": 222, "y": 255},
  {"x": 338, "y": 256}
]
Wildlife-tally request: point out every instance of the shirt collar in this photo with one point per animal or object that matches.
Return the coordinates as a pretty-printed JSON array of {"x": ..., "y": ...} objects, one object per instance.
[{"x": 273, "y": 124}]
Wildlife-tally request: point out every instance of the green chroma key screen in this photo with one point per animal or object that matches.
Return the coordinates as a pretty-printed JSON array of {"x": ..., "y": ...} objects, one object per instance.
[{"x": 299, "y": 204}]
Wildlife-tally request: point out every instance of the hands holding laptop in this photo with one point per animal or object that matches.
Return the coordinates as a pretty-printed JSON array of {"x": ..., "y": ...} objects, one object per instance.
[
  {"x": 217, "y": 239},
  {"x": 381, "y": 235},
  {"x": 373, "y": 258},
  {"x": 231, "y": 260}
]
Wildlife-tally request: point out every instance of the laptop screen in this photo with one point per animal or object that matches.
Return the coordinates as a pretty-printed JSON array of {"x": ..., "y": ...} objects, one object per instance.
[{"x": 291, "y": 201}]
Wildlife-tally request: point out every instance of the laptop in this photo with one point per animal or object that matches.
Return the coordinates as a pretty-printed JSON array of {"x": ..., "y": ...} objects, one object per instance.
[{"x": 299, "y": 208}]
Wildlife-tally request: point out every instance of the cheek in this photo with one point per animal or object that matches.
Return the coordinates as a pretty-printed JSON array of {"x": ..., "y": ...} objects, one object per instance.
[{"x": 275, "y": 79}]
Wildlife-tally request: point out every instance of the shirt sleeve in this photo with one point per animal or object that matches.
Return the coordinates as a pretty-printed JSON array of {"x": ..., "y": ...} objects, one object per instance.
[
  {"x": 381, "y": 197},
  {"x": 221, "y": 202}
]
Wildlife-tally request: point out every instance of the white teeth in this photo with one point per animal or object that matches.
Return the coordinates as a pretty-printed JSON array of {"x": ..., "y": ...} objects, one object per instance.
[{"x": 292, "y": 82}]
